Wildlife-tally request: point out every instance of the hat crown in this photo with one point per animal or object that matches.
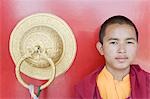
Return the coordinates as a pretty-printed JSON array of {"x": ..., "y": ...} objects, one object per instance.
[{"x": 34, "y": 42}]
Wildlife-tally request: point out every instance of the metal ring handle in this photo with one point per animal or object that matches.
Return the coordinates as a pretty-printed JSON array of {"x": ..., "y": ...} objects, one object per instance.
[{"x": 24, "y": 83}]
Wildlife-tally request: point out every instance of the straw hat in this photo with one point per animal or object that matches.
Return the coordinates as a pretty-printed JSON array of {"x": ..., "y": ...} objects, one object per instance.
[{"x": 46, "y": 34}]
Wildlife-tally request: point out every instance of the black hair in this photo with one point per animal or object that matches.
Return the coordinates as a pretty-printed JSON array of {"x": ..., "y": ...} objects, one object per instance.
[{"x": 113, "y": 20}]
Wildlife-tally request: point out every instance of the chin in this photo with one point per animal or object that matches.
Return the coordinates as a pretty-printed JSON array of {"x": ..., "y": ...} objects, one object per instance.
[{"x": 122, "y": 66}]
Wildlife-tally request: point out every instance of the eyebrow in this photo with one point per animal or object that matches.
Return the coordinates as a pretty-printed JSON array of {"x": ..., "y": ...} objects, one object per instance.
[
  {"x": 131, "y": 39},
  {"x": 113, "y": 39},
  {"x": 118, "y": 39}
]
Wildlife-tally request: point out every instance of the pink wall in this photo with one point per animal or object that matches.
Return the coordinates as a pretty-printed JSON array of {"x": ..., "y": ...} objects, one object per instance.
[{"x": 84, "y": 17}]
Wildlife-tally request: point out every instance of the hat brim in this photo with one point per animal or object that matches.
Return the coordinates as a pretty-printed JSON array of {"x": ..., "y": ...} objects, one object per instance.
[{"x": 54, "y": 22}]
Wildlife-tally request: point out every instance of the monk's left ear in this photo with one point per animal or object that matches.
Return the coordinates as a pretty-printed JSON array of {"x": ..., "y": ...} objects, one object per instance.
[{"x": 99, "y": 47}]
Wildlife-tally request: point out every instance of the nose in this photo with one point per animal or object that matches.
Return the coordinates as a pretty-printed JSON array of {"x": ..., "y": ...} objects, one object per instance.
[{"x": 121, "y": 48}]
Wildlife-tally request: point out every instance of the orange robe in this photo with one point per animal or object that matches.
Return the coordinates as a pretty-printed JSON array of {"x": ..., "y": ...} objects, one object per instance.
[{"x": 113, "y": 89}]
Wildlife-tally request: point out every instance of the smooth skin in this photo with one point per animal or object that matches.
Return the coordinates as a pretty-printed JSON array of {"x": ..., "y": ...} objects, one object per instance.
[{"x": 119, "y": 49}]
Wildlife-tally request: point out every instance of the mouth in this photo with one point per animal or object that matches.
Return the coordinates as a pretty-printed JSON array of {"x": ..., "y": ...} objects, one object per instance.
[{"x": 121, "y": 59}]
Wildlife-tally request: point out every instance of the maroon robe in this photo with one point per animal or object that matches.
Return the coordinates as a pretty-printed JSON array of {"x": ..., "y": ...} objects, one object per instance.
[{"x": 139, "y": 80}]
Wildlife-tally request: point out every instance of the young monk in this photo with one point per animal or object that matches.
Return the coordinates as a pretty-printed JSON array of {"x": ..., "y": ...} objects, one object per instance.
[{"x": 118, "y": 78}]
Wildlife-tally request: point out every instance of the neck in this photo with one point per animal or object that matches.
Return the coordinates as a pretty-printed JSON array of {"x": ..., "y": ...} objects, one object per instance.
[{"x": 118, "y": 74}]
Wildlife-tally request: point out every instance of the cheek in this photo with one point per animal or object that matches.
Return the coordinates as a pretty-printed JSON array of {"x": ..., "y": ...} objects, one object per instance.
[
  {"x": 109, "y": 51},
  {"x": 132, "y": 51}
]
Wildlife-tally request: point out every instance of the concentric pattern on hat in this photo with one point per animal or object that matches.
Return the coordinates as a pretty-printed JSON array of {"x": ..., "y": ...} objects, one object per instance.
[
  {"x": 46, "y": 40},
  {"x": 43, "y": 33}
]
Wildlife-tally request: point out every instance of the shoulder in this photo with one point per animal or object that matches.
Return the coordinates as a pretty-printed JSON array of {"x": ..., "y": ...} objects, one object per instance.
[
  {"x": 87, "y": 86},
  {"x": 138, "y": 70},
  {"x": 141, "y": 74},
  {"x": 140, "y": 79},
  {"x": 90, "y": 78}
]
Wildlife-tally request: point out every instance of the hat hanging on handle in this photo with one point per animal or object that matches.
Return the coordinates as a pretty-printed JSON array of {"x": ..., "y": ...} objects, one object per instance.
[
  {"x": 29, "y": 56},
  {"x": 42, "y": 46}
]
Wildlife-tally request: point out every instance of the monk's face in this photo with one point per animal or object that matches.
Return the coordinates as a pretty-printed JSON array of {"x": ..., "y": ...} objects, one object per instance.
[{"x": 119, "y": 46}]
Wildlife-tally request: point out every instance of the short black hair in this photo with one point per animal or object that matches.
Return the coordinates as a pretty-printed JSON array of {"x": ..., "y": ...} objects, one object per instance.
[{"x": 118, "y": 19}]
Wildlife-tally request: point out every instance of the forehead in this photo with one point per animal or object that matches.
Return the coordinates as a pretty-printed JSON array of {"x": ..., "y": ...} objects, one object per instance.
[{"x": 120, "y": 31}]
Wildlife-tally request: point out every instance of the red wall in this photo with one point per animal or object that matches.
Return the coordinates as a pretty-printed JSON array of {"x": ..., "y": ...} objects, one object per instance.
[{"x": 84, "y": 17}]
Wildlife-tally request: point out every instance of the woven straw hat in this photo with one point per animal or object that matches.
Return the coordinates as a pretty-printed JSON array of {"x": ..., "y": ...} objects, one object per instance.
[{"x": 47, "y": 34}]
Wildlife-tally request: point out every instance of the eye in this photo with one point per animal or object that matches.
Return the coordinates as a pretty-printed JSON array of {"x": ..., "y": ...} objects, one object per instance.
[
  {"x": 130, "y": 42},
  {"x": 113, "y": 42}
]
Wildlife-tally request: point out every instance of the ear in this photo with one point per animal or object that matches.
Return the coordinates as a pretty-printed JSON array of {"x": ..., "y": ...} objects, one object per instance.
[{"x": 99, "y": 47}]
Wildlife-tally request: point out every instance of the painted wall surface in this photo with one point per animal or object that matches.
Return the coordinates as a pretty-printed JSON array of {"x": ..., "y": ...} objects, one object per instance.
[{"x": 84, "y": 17}]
